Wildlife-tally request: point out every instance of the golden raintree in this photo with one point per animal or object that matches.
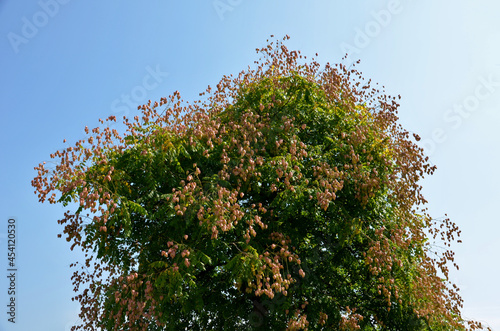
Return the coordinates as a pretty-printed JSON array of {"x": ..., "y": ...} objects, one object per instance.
[{"x": 287, "y": 198}]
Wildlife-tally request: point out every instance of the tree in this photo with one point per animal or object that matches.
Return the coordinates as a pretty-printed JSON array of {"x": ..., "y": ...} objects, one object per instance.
[{"x": 286, "y": 199}]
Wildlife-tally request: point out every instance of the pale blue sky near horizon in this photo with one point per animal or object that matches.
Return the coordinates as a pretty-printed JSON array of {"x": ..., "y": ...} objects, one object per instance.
[{"x": 66, "y": 63}]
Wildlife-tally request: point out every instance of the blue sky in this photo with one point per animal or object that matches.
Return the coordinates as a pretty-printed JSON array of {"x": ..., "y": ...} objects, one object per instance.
[{"x": 67, "y": 63}]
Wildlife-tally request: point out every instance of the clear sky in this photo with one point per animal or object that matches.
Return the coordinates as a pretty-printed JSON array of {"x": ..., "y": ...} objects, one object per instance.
[{"x": 66, "y": 63}]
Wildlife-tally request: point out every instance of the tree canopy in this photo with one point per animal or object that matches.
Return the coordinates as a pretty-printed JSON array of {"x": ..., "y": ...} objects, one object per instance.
[{"x": 286, "y": 198}]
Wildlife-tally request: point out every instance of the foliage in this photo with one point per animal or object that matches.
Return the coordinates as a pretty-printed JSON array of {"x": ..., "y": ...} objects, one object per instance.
[{"x": 287, "y": 199}]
